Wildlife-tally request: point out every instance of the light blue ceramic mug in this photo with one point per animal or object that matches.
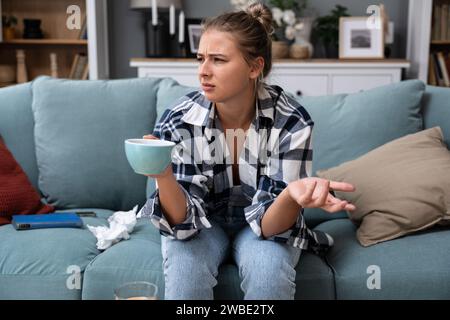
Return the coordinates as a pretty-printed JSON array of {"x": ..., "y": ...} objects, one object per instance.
[{"x": 148, "y": 156}]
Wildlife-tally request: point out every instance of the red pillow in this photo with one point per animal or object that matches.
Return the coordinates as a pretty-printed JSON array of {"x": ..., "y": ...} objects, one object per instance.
[{"x": 17, "y": 194}]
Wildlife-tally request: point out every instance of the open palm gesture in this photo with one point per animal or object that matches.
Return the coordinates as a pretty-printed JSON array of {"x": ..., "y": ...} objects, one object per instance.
[{"x": 313, "y": 192}]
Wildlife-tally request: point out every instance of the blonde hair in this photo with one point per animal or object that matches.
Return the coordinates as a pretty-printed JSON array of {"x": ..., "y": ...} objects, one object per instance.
[{"x": 252, "y": 29}]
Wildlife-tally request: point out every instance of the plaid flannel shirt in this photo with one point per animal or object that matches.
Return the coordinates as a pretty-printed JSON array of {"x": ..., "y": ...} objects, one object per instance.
[{"x": 276, "y": 151}]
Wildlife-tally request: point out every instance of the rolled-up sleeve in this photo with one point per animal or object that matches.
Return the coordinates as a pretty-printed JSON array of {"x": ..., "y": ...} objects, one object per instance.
[
  {"x": 289, "y": 160},
  {"x": 190, "y": 179}
]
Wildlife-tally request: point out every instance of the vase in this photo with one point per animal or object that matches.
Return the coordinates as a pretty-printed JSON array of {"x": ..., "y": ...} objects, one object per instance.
[
  {"x": 9, "y": 33},
  {"x": 302, "y": 48},
  {"x": 32, "y": 29},
  {"x": 331, "y": 50},
  {"x": 299, "y": 51},
  {"x": 280, "y": 49}
]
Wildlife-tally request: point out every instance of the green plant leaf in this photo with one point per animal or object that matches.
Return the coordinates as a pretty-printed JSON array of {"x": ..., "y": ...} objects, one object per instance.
[{"x": 326, "y": 28}]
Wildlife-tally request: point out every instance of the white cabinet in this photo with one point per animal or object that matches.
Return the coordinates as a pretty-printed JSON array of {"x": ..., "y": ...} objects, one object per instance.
[
  {"x": 184, "y": 71},
  {"x": 299, "y": 83},
  {"x": 309, "y": 78}
]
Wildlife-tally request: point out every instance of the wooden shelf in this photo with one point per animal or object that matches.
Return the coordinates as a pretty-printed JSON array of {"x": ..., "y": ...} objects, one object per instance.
[
  {"x": 78, "y": 42},
  {"x": 439, "y": 58},
  {"x": 440, "y": 42},
  {"x": 57, "y": 37}
]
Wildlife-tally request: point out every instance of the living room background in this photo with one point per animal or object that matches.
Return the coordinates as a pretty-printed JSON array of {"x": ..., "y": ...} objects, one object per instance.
[{"x": 127, "y": 36}]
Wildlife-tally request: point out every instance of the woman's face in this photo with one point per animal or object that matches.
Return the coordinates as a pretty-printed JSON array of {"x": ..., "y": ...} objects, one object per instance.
[{"x": 222, "y": 71}]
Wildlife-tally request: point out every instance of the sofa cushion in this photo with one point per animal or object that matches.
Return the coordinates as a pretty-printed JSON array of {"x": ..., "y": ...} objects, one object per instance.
[
  {"x": 140, "y": 259},
  {"x": 80, "y": 128},
  {"x": 401, "y": 187},
  {"x": 413, "y": 267},
  {"x": 16, "y": 127},
  {"x": 436, "y": 110},
  {"x": 43, "y": 263},
  {"x": 347, "y": 126},
  {"x": 17, "y": 195},
  {"x": 169, "y": 92},
  {"x": 136, "y": 259}
]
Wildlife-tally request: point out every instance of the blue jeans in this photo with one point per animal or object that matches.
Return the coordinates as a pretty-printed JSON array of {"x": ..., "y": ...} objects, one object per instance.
[{"x": 266, "y": 268}]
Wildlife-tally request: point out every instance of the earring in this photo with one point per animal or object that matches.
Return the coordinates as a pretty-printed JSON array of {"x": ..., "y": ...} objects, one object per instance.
[
  {"x": 260, "y": 77},
  {"x": 258, "y": 80}
]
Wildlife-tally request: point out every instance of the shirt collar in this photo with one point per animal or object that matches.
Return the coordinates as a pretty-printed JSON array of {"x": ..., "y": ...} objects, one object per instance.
[
  {"x": 202, "y": 112},
  {"x": 266, "y": 102}
]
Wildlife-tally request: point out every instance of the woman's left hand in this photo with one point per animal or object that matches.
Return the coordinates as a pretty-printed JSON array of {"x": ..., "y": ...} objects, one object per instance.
[{"x": 314, "y": 192}]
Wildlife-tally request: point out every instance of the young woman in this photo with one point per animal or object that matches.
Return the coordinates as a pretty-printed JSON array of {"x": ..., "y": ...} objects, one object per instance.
[{"x": 240, "y": 176}]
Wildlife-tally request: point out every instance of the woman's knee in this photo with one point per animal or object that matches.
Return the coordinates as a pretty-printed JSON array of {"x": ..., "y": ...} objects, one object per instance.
[
  {"x": 267, "y": 266},
  {"x": 207, "y": 249},
  {"x": 189, "y": 274},
  {"x": 265, "y": 256},
  {"x": 265, "y": 278},
  {"x": 190, "y": 258},
  {"x": 267, "y": 269},
  {"x": 190, "y": 265}
]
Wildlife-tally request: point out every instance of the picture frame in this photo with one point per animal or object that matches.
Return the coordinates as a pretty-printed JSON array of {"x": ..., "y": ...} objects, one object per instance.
[
  {"x": 193, "y": 32},
  {"x": 361, "y": 38}
]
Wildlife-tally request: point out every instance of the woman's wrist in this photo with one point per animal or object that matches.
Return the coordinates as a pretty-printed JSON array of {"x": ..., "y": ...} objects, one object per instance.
[
  {"x": 281, "y": 215},
  {"x": 172, "y": 199},
  {"x": 165, "y": 180},
  {"x": 286, "y": 195}
]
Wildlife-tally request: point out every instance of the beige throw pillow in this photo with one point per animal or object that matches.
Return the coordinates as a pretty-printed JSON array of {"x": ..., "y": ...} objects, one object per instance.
[{"x": 401, "y": 187}]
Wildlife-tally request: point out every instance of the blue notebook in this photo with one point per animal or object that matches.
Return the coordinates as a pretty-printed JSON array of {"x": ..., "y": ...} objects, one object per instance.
[{"x": 52, "y": 220}]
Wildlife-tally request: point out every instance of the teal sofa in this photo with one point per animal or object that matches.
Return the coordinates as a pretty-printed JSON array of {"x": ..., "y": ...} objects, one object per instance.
[{"x": 68, "y": 137}]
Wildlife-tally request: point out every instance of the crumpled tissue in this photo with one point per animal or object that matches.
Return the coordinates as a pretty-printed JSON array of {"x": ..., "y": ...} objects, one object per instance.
[{"x": 121, "y": 224}]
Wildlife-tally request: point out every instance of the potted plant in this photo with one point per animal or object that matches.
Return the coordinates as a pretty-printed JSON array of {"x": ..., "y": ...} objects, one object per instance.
[
  {"x": 8, "y": 23},
  {"x": 326, "y": 30},
  {"x": 285, "y": 24}
]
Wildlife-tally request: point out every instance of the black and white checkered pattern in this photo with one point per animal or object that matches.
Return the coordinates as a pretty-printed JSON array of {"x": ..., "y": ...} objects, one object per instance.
[{"x": 277, "y": 150}]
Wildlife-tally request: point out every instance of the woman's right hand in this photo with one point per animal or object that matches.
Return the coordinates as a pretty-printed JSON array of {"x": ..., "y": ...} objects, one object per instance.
[
  {"x": 167, "y": 172},
  {"x": 313, "y": 192}
]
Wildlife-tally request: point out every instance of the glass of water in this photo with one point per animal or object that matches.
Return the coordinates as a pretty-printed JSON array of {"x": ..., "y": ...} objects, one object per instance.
[{"x": 139, "y": 290}]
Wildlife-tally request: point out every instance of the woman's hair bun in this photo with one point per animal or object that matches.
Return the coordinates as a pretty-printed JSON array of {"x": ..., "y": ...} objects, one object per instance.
[{"x": 263, "y": 14}]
